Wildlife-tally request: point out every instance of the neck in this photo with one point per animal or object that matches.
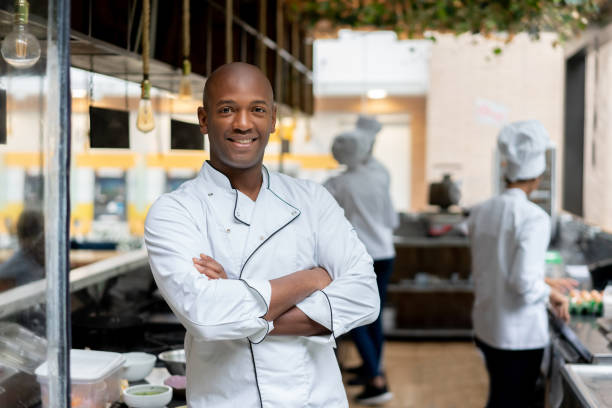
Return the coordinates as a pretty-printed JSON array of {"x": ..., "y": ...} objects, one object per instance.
[
  {"x": 247, "y": 181},
  {"x": 526, "y": 187}
]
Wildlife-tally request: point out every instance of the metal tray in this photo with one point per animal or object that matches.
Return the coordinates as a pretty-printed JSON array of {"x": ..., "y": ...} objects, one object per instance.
[{"x": 592, "y": 384}]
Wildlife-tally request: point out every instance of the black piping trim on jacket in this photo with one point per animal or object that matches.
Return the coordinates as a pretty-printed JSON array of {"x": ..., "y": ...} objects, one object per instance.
[
  {"x": 255, "y": 370},
  {"x": 331, "y": 314},
  {"x": 235, "y": 206},
  {"x": 247, "y": 261},
  {"x": 260, "y": 295}
]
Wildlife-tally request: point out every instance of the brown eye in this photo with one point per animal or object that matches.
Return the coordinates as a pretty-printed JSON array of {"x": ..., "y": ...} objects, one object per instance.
[
  {"x": 259, "y": 109},
  {"x": 225, "y": 109}
]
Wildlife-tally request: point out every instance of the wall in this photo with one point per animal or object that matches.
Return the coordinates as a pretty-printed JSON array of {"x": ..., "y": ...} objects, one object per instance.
[
  {"x": 473, "y": 92},
  {"x": 414, "y": 108},
  {"x": 597, "y": 195}
]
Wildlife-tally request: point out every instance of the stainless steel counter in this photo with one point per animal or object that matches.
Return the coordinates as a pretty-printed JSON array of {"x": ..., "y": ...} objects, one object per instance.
[
  {"x": 590, "y": 384},
  {"x": 593, "y": 338}
]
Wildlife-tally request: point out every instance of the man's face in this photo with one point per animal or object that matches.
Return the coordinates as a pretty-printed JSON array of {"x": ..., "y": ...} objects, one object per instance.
[{"x": 239, "y": 116}]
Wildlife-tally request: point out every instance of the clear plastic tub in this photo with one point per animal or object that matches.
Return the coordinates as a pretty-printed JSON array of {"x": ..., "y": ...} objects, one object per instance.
[{"x": 94, "y": 378}]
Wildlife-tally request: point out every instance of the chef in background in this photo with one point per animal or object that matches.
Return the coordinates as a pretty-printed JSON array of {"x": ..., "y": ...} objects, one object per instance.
[
  {"x": 363, "y": 192},
  {"x": 509, "y": 237}
]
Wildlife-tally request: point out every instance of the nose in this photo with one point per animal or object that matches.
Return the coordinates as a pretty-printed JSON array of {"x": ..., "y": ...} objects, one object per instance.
[{"x": 242, "y": 122}]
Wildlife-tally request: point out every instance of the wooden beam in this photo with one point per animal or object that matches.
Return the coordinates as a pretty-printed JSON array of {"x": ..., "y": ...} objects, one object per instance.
[
  {"x": 229, "y": 21},
  {"x": 208, "y": 40},
  {"x": 280, "y": 42},
  {"x": 263, "y": 24},
  {"x": 295, "y": 76}
]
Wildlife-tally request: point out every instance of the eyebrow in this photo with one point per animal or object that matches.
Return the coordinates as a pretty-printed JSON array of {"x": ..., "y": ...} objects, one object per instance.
[
  {"x": 226, "y": 102},
  {"x": 232, "y": 102}
]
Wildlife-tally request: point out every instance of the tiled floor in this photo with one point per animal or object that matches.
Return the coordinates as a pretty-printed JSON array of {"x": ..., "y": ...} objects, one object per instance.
[{"x": 428, "y": 374}]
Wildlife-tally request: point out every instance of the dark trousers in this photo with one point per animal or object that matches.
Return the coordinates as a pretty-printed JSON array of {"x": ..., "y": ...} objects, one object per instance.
[
  {"x": 369, "y": 339},
  {"x": 512, "y": 375}
]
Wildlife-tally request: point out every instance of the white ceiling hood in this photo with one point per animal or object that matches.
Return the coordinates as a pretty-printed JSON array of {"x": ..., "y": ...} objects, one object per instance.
[{"x": 358, "y": 61}]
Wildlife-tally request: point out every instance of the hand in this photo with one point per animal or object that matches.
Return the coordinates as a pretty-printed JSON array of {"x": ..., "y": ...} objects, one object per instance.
[
  {"x": 321, "y": 278},
  {"x": 560, "y": 304},
  {"x": 563, "y": 285},
  {"x": 209, "y": 267}
]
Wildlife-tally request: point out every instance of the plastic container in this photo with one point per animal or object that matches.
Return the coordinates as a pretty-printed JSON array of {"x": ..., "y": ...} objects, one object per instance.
[
  {"x": 94, "y": 378},
  {"x": 20, "y": 348}
]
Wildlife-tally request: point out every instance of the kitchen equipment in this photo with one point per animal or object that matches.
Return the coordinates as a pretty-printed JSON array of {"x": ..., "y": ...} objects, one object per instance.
[
  {"x": 94, "y": 378},
  {"x": 590, "y": 384},
  {"x": 137, "y": 365},
  {"x": 100, "y": 329},
  {"x": 174, "y": 360},
  {"x": 568, "y": 336},
  {"x": 444, "y": 193},
  {"x": 147, "y": 396}
]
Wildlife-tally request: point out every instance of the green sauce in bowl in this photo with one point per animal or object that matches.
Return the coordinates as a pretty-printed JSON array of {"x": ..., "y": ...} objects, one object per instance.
[{"x": 149, "y": 391}]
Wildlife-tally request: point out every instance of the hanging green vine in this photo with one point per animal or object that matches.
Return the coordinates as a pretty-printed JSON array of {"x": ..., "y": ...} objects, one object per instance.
[{"x": 415, "y": 18}]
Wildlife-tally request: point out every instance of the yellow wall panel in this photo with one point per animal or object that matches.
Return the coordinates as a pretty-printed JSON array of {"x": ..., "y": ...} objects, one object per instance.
[
  {"x": 8, "y": 217},
  {"x": 81, "y": 217},
  {"x": 115, "y": 160},
  {"x": 187, "y": 160}
]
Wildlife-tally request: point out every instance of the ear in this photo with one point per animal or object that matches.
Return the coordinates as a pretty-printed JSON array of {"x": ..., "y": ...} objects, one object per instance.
[
  {"x": 273, "y": 119},
  {"x": 203, "y": 120}
]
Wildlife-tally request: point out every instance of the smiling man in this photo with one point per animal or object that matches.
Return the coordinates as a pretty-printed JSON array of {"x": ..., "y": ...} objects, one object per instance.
[{"x": 263, "y": 270}]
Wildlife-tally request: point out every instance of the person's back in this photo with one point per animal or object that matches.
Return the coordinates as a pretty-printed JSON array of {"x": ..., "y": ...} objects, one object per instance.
[
  {"x": 367, "y": 205},
  {"x": 363, "y": 192},
  {"x": 510, "y": 293}
]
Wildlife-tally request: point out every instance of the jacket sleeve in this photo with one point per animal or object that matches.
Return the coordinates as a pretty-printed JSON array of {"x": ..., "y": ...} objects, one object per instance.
[
  {"x": 526, "y": 278},
  {"x": 220, "y": 309},
  {"x": 352, "y": 298}
]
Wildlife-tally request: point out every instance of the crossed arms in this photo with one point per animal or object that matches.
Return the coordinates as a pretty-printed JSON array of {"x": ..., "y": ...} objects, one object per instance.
[{"x": 287, "y": 291}]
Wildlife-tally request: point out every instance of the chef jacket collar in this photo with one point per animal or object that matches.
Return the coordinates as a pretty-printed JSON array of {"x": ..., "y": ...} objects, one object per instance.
[
  {"x": 516, "y": 192},
  {"x": 220, "y": 180}
]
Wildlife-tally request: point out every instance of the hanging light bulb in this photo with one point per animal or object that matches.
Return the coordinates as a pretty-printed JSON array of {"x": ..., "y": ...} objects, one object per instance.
[
  {"x": 185, "y": 84},
  {"x": 144, "y": 121},
  {"x": 20, "y": 48}
]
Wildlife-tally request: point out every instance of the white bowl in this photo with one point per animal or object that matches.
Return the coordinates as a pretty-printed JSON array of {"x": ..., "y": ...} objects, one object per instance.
[
  {"x": 147, "y": 396},
  {"x": 138, "y": 365}
]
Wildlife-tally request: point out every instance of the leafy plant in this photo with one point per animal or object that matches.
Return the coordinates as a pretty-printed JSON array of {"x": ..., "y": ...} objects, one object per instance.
[{"x": 417, "y": 18}]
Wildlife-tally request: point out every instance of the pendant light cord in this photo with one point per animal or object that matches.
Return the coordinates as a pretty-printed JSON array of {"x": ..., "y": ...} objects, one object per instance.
[
  {"x": 145, "y": 39},
  {"x": 186, "y": 39}
]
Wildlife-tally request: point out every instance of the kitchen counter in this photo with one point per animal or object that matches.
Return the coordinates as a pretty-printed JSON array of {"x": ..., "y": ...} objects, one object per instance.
[
  {"x": 30, "y": 294},
  {"x": 590, "y": 385},
  {"x": 592, "y": 337}
]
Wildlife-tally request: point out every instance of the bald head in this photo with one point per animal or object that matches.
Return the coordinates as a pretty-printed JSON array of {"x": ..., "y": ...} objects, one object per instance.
[{"x": 237, "y": 74}]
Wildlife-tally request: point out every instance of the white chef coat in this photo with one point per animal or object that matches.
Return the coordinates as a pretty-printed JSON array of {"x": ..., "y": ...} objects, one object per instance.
[
  {"x": 509, "y": 236},
  {"x": 293, "y": 225},
  {"x": 363, "y": 192}
]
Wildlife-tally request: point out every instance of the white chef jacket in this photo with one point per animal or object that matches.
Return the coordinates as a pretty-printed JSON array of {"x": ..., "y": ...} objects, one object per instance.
[
  {"x": 363, "y": 192},
  {"x": 294, "y": 225},
  {"x": 509, "y": 236}
]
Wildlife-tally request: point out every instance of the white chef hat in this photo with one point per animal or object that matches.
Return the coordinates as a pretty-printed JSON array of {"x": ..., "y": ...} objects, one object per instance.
[
  {"x": 370, "y": 126},
  {"x": 523, "y": 145},
  {"x": 351, "y": 148}
]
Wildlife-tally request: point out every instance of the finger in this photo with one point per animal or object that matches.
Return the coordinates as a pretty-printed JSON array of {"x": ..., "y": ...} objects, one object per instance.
[
  {"x": 211, "y": 263},
  {"x": 199, "y": 261},
  {"x": 207, "y": 271},
  {"x": 208, "y": 261}
]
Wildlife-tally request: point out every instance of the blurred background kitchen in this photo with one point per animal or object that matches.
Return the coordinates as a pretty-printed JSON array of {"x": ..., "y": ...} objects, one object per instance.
[{"x": 442, "y": 77}]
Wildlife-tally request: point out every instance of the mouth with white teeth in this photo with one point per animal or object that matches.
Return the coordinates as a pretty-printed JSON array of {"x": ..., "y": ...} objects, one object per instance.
[{"x": 242, "y": 141}]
